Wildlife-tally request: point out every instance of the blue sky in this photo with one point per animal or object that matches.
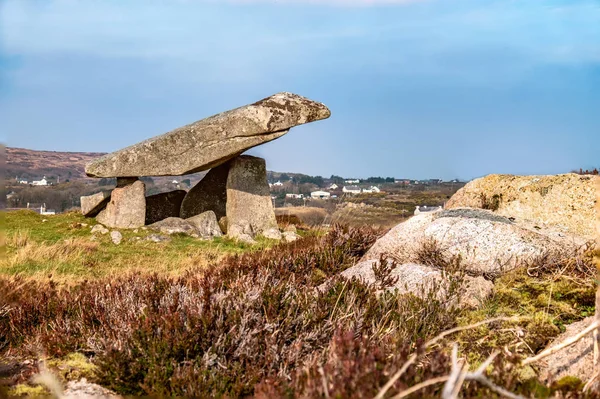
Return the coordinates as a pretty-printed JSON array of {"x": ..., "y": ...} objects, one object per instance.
[{"x": 422, "y": 88}]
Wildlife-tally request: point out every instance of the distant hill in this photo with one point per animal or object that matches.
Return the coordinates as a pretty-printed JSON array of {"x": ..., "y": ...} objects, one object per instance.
[{"x": 32, "y": 164}]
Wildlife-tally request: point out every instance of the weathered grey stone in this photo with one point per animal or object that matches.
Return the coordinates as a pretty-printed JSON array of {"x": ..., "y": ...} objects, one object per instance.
[
  {"x": 116, "y": 237},
  {"x": 99, "y": 229},
  {"x": 158, "y": 238},
  {"x": 91, "y": 205},
  {"x": 290, "y": 228},
  {"x": 211, "y": 141},
  {"x": 485, "y": 242},
  {"x": 273, "y": 233},
  {"x": 290, "y": 236},
  {"x": 87, "y": 390},
  {"x": 576, "y": 360},
  {"x": 175, "y": 226},
  {"x": 126, "y": 208},
  {"x": 206, "y": 224},
  {"x": 223, "y": 224},
  {"x": 248, "y": 195},
  {"x": 241, "y": 231},
  {"x": 422, "y": 281},
  {"x": 163, "y": 205},
  {"x": 210, "y": 194}
]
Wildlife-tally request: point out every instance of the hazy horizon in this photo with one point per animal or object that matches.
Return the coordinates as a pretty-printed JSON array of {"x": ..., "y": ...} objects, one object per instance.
[{"x": 417, "y": 89}]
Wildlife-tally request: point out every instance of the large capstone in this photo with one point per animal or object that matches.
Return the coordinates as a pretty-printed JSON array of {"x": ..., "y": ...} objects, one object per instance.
[
  {"x": 127, "y": 206},
  {"x": 211, "y": 141},
  {"x": 248, "y": 195},
  {"x": 163, "y": 205}
]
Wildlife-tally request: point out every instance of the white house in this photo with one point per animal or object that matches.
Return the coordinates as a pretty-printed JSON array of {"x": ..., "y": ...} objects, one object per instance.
[
  {"x": 44, "y": 211},
  {"x": 278, "y": 184},
  {"x": 352, "y": 181},
  {"x": 23, "y": 181},
  {"x": 333, "y": 187},
  {"x": 42, "y": 182},
  {"x": 371, "y": 190},
  {"x": 352, "y": 189},
  {"x": 296, "y": 196},
  {"x": 320, "y": 195}
]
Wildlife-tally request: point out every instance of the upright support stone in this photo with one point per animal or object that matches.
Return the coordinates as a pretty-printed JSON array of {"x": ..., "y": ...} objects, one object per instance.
[
  {"x": 209, "y": 194},
  {"x": 91, "y": 205},
  {"x": 164, "y": 205},
  {"x": 248, "y": 195},
  {"x": 127, "y": 206}
]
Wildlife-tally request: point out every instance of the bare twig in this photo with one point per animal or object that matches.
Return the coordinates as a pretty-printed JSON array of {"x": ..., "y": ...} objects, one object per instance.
[
  {"x": 411, "y": 360},
  {"x": 568, "y": 342},
  {"x": 419, "y": 386}
]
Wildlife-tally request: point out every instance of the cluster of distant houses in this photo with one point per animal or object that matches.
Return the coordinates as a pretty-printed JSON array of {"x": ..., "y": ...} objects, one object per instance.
[
  {"x": 332, "y": 190},
  {"x": 42, "y": 182}
]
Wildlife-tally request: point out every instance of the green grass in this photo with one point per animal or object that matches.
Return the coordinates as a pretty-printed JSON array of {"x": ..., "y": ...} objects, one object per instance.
[{"x": 63, "y": 247}]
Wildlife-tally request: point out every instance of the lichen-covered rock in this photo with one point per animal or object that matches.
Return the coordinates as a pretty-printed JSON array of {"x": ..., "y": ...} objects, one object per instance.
[
  {"x": 91, "y": 205},
  {"x": 210, "y": 194},
  {"x": 248, "y": 195},
  {"x": 175, "y": 226},
  {"x": 116, "y": 237},
  {"x": 99, "y": 229},
  {"x": 163, "y": 205},
  {"x": 127, "y": 206},
  {"x": 564, "y": 201},
  {"x": 206, "y": 224},
  {"x": 425, "y": 281},
  {"x": 486, "y": 242},
  {"x": 273, "y": 233},
  {"x": 242, "y": 231},
  {"x": 211, "y": 141}
]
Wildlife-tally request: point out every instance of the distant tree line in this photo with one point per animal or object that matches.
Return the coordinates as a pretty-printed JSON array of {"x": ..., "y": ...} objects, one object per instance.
[{"x": 587, "y": 172}]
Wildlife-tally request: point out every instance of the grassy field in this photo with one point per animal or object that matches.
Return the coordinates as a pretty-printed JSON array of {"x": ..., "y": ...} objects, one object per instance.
[
  {"x": 221, "y": 319},
  {"x": 63, "y": 247}
]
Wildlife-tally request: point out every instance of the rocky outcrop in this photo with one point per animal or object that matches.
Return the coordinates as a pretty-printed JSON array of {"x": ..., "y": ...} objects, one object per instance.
[
  {"x": 565, "y": 202},
  {"x": 248, "y": 195},
  {"x": 210, "y": 194},
  {"x": 211, "y": 141},
  {"x": 91, "y": 205},
  {"x": 484, "y": 241},
  {"x": 425, "y": 282},
  {"x": 163, "y": 205},
  {"x": 127, "y": 205}
]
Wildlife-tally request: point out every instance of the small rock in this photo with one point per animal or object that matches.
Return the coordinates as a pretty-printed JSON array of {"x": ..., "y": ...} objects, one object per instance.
[
  {"x": 272, "y": 234},
  {"x": 290, "y": 228},
  {"x": 116, "y": 237},
  {"x": 223, "y": 224},
  {"x": 241, "y": 231},
  {"x": 290, "y": 236},
  {"x": 158, "y": 238},
  {"x": 174, "y": 226},
  {"x": 136, "y": 231},
  {"x": 44, "y": 220},
  {"x": 99, "y": 229},
  {"x": 83, "y": 224},
  {"x": 86, "y": 390},
  {"x": 206, "y": 224}
]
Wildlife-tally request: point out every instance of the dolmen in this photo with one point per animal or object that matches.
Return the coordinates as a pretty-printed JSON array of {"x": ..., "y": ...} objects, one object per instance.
[{"x": 234, "y": 194}]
